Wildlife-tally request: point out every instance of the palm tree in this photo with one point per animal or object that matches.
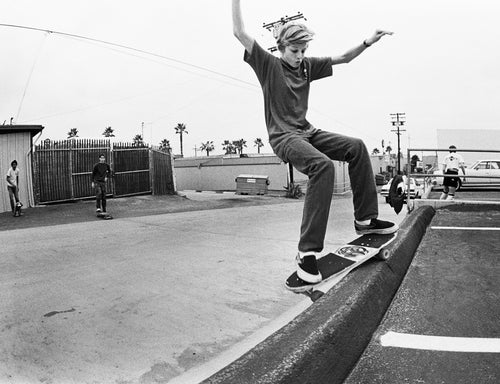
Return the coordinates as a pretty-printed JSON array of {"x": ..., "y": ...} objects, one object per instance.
[
  {"x": 108, "y": 132},
  {"x": 239, "y": 144},
  {"x": 181, "y": 129},
  {"x": 375, "y": 151},
  {"x": 73, "y": 132},
  {"x": 208, "y": 147},
  {"x": 138, "y": 141},
  {"x": 164, "y": 145},
  {"x": 388, "y": 150},
  {"x": 228, "y": 147},
  {"x": 258, "y": 143}
]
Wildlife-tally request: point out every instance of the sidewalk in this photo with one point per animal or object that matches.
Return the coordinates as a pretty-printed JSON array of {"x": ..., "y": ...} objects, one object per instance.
[{"x": 143, "y": 299}]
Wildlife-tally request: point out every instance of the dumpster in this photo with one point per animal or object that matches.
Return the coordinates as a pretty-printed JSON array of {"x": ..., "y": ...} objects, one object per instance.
[{"x": 252, "y": 184}]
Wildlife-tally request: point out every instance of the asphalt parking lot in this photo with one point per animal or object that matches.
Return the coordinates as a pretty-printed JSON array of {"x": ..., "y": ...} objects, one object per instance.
[{"x": 443, "y": 325}]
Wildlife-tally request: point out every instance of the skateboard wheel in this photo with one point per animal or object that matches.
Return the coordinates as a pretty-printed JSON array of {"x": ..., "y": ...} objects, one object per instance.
[
  {"x": 316, "y": 295},
  {"x": 384, "y": 254}
]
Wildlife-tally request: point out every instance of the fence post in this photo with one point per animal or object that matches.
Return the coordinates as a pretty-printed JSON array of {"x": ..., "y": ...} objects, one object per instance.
[{"x": 70, "y": 170}]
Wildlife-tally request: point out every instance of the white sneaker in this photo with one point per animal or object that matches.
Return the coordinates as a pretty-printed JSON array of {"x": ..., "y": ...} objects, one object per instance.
[
  {"x": 450, "y": 197},
  {"x": 98, "y": 210},
  {"x": 443, "y": 196},
  {"x": 307, "y": 269}
]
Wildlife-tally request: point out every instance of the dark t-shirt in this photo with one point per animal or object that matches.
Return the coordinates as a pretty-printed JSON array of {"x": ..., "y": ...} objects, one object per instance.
[
  {"x": 286, "y": 91},
  {"x": 100, "y": 172}
]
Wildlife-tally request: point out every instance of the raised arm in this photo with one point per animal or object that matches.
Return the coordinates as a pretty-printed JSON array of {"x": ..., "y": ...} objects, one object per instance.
[
  {"x": 239, "y": 27},
  {"x": 356, "y": 51}
]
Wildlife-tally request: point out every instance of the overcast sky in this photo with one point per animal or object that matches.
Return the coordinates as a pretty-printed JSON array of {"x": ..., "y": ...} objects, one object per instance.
[{"x": 441, "y": 68}]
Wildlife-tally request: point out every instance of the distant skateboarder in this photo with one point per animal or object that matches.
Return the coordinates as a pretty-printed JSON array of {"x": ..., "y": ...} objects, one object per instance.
[
  {"x": 451, "y": 164},
  {"x": 100, "y": 175},
  {"x": 285, "y": 84},
  {"x": 13, "y": 187}
]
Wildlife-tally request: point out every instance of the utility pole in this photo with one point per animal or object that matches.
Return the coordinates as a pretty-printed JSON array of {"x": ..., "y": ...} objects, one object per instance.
[
  {"x": 275, "y": 25},
  {"x": 398, "y": 120}
]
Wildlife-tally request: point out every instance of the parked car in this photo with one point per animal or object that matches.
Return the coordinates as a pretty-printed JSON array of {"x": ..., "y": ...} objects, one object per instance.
[
  {"x": 416, "y": 188},
  {"x": 484, "y": 169}
]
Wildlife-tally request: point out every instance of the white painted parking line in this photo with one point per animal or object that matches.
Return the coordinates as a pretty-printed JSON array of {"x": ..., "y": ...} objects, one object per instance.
[
  {"x": 440, "y": 343},
  {"x": 469, "y": 228}
]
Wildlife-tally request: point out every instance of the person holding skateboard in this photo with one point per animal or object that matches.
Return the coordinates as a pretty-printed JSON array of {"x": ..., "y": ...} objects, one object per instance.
[
  {"x": 13, "y": 186},
  {"x": 451, "y": 163},
  {"x": 100, "y": 175},
  {"x": 285, "y": 83}
]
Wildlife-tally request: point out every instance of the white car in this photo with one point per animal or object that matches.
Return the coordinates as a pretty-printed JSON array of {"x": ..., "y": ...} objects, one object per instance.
[
  {"x": 481, "y": 169},
  {"x": 416, "y": 188}
]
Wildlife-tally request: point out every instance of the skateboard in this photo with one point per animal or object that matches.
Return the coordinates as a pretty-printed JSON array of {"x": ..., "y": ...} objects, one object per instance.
[
  {"x": 17, "y": 209},
  {"x": 336, "y": 265},
  {"x": 104, "y": 215}
]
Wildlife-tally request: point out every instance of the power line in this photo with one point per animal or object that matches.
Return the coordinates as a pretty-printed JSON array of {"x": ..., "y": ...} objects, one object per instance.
[{"x": 128, "y": 48}]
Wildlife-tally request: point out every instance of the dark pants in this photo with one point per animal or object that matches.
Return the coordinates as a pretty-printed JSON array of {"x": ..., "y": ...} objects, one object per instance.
[
  {"x": 451, "y": 181},
  {"x": 100, "y": 195},
  {"x": 13, "y": 197},
  {"x": 312, "y": 154}
]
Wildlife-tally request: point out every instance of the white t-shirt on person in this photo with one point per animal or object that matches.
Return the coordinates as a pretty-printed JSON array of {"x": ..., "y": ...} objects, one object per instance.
[
  {"x": 12, "y": 175},
  {"x": 453, "y": 161}
]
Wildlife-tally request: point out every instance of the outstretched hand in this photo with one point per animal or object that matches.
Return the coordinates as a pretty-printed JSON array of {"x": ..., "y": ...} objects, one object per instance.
[{"x": 377, "y": 36}]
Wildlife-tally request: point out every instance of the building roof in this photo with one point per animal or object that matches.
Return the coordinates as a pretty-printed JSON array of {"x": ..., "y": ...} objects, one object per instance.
[{"x": 33, "y": 129}]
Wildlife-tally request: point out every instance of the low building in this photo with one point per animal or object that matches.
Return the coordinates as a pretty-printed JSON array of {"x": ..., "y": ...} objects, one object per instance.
[
  {"x": 16, "y": 143},
  {"x": 219, "y": 173}
]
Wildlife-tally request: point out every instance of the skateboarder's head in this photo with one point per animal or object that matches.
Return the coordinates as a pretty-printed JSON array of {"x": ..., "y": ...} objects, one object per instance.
[
  {"x": 102, "y": 158},
  {"x": 452, "y": 149},
  {"x": 13, "y": 164},
  {"x": 293, "y": 40}
]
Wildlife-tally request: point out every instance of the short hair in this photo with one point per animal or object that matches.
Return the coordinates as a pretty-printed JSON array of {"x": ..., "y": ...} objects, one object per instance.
[
  {"x": 452, "y": 148},
  {"x": 13, "y": 162},
  {"x": 293, "y": 34},
  {"x": 102, "y": 155}
]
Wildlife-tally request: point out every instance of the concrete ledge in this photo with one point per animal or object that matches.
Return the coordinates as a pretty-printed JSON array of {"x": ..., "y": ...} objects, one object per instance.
[{"x": 323, "y": 343}]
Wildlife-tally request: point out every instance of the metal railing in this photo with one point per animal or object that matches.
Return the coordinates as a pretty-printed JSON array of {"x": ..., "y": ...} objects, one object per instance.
[{"x": 428, "y": 177}]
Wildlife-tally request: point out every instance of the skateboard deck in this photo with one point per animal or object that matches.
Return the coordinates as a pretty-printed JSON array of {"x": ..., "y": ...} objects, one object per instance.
[
  {"x": 336, "y": 265},
  {"x": 104, "y": 215},
  {"x": 17, "y": 210}
]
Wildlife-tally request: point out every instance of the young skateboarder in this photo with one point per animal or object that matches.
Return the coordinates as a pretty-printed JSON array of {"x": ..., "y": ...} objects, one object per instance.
[
  {"x": 451, "y": 163},
  {"x": 13, "y": 186},
  {"x": 285, "y": 83},
  {"x": 100, "y": 175}
]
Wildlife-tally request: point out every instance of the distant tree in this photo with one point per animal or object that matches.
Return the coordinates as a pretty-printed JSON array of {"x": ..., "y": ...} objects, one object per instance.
[
  {"x": 73, "y": 132},
  {"x": 208, "y": 147},
  {"x": 239, "y": 144},
  {"x": 375, "y": 151},
  {"x": 181, "y": 130},
  {"x": 138, "y": 141},
  {"x": 388, "y": 150},
  {"x": 165, "y": 145},
  {"x": 108, "y": 132},
  {"x": 228, "y": 147},
  {"x": 259, "y": 144}
]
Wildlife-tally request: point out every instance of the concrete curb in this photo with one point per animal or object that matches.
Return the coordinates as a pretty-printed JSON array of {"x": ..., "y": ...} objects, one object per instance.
[{"x": 323, "y": 343}]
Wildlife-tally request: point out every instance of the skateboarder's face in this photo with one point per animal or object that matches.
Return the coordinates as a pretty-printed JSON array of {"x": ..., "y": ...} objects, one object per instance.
[
  {"x": 294, "y": 54},
  {"x": 102, "y": 159}
]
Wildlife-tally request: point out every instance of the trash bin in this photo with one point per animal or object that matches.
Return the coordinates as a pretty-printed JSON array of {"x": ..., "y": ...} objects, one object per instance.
[{"x": 252, "y": 184}]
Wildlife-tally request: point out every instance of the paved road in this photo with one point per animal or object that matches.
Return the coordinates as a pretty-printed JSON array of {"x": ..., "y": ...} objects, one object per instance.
[
  {"x": 451, "y": 292},
  {"x": 143, "y": 299}
]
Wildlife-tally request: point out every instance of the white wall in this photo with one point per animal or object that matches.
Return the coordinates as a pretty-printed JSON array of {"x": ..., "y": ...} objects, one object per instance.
[{"x": 484, "y": 139}]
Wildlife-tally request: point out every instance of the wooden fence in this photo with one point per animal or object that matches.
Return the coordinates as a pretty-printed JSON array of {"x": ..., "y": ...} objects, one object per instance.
[{"x": 62, "y": 169}]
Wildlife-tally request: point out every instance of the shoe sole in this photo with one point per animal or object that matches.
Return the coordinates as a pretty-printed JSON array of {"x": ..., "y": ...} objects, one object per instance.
[{"x": 386, "y": 231}]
